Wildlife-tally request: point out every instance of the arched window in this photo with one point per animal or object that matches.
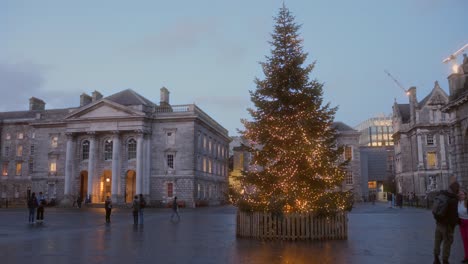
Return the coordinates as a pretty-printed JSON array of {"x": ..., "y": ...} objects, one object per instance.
[
  {"x": 85, "y": 150},
  {"x": 131, "y": 149},
  {"x": 108, "y": 149}
]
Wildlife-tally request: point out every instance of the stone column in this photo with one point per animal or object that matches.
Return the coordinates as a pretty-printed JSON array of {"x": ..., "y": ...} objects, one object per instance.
[
  {"x": 91, "y": 160},
  {"x": 147, "y": 165},
  {"x": 68, "y": 198},
  {"x": 420, "y": 152},
  {"x": 139, "y": 163},
  {"x": 443, "y": 158},
  {"x": 115, "y": 166}
]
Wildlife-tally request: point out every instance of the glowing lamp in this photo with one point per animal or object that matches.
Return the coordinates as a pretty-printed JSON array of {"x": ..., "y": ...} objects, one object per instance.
[
  {"x": 455, "y": 68},
  {"x": 107, "y": 180}
]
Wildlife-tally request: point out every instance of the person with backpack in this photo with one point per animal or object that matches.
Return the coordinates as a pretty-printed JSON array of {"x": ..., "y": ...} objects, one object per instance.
[
  {"x": 463, "y": 215},
  {"x": 445, "y": 211},
  {"x": 142, "y": 206},
  {"x": 32, "y": 205}
]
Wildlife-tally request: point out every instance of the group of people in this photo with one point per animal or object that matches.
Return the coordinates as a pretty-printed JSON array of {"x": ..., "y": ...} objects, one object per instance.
[
  {"x": 455, "y": 212},
  {"x": 138, "y": 206},
  {"x": 36, "y": 204}
]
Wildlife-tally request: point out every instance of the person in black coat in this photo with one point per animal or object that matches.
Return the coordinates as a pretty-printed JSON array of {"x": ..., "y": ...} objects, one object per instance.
[{"x": 445, "y": 225}]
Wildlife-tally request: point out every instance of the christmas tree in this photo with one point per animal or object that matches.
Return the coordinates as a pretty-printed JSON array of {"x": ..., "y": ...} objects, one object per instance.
[{"x": 295, "y": 163}]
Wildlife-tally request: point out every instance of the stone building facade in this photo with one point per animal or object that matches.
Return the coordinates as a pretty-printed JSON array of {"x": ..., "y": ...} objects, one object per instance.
[
  {"x": 457, "y": 108},
  {"x": 116, "y": 146},
  {"x": 422, "y": 143}
]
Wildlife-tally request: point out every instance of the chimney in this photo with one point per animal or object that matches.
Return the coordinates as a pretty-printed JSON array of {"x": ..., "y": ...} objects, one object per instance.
[
  {"x": 96, "y": 96},
  {"x": 85, "y": 99},
  {"x": 164, "y": 97},
  {"x": 36, "y": 104},
  {"x": 413, "y": 103}
]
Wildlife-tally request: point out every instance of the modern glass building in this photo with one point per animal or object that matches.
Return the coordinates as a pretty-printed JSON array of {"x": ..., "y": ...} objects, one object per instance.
[{"x": 376, "y": 131}]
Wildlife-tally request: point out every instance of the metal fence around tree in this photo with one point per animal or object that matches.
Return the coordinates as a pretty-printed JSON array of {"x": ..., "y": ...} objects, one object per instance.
[{"x": 293, "y": 226}]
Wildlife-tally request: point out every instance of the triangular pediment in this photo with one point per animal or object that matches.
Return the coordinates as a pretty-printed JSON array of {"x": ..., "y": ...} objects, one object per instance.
[
  {"x": 104, "y": 109},
  {"x": 436, "y": 97}
]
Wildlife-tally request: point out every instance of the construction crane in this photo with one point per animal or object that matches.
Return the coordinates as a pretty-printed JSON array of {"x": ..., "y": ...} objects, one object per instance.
[
  {"x": 397, "y": 82},
  {"x": 453, "y": 58}
]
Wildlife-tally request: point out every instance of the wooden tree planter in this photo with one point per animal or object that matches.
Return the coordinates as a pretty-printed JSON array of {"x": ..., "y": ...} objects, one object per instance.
[{"x": 293, "y": 226}]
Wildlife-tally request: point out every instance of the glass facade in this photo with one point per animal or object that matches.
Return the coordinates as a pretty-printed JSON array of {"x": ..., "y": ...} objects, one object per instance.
[{"x": 376, "y": 132}]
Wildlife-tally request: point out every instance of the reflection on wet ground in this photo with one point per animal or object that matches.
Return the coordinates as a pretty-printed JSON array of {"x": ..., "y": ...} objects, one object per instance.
[{"x": 377, "y": 234}]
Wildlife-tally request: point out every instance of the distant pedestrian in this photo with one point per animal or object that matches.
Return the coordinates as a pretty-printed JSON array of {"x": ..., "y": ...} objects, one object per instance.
[
  {"x": 41, "y": 202},
  {"x": 389, "y": 199},
  {"x": 32, "y": 205},
  {"x": 373, "y": 198},
  {"x": 142, "y": 207},
  {"x": 79, "y": 200},
  {"x": 108, "y": 206},
  {"x": 446, "y": 220},
  {"x": 399, "y": 200},
  {"x": 175, "y": 209},
  {"x": 136, "y": 209},
  {"x": 463, "y": 215}
]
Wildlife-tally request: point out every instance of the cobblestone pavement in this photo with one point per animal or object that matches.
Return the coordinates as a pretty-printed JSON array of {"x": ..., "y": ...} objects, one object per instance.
[{"x": 377, "y": 234}]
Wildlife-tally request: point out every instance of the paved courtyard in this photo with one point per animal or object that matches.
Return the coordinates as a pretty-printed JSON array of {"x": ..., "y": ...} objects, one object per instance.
[{"x": 377, "y": 234}]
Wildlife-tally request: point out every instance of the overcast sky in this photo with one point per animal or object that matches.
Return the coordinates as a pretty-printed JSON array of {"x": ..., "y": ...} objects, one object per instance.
[{"x": 207, "y": 52}]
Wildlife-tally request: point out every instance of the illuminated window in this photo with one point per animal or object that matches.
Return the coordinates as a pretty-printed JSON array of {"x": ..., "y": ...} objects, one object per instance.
[
  {"x": 431, "y": 159},
  {"x": 108, "y": 149},
  {"x": 349, "y": 177},
  {"x": 54, "y": 141},
  {"x": 5, "y": 169},
  {"x": 430, "y": 140},
  {"x": 348, "y": 152},
  {"x": 19, "y": 151},
  {"x": 209, "y": 145},
  {"x": 20, "y": 135},
  {"x": 204, "y": 142},
  {"x": 209, "y": 166},
  {"x": 132, "y": 148},
  {"x": 170, "y": 161},
  {"x": 19, "y": 166},
  {"x": 8, "y": 136},
  {"x": 170, "y": 189},
  {"x": 85, "y": 150},
  {"x": 204, "y": 164},
  {"x": 53, "y": 167}
]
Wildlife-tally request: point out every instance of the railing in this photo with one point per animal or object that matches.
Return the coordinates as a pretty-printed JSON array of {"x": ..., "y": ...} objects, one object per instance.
[{"x": 293, "y": 226}]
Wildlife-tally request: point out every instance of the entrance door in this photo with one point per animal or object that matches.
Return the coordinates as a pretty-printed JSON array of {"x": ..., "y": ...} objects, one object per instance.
[
  {"x": 130, "y": 186},
  {"x": 106, "y": 181},
  {"x": 83, "y": 184}
]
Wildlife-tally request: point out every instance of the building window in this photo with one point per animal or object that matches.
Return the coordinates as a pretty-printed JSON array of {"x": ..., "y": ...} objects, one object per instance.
[
  {"x": 54, "y": 141},
  {"x": 7, "y": 151},
  {"x": 198, "y": 191},
  {"x": 431, "y": 160},
  {"x": 31, "y": 150},
  {"x": 5, "y": 169},
  {"x": 170, "y": 161},
  {"x": 108, "y": 149},
  {"x": 33, "y": 135},
  {"x": 19, "y": 151},
  {"x": 348, "y": 152},
  {"x": 209, "y": 145},
  {"x": 204, "y": 164},
  {"x": 19, "y": 166},
  {"x": 53, "y": 167},
  {"x": 204, "y": 142},
  {"x": 85, "y": 150},
  {"x": 349, "y": 177},
  {"x": 20, "y": 135},
  {"x": 429, "y": 139},
  {"x": 8, "y": 136},
  {"x": 209, "y": 166},
  {"x": 450, "y": 140},
  {"x": 170, "y": 189},
  {"x": 131, "y": 149},
  {"x": 31, "y": 166}
]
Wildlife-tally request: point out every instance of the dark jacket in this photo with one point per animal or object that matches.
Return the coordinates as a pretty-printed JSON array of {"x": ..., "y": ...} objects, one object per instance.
[{"x": 451, "y": 217}]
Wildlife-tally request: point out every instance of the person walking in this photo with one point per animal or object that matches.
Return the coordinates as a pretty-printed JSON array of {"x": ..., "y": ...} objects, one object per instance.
[
  {"x": 136, "y": 209},
  {"x": 40, "y": 208},
  {"x": 463, "y": 215},
  {"x": 389, "y": 199},
  {"x": 79, "y": 200},
  {"x": 446, "y": 220},
  {"x": 108, "y": 206},
  {"x": 32, "y": 205},
  {"x": 175, "y": 209},
  {"x": 141, "y": 209}
]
